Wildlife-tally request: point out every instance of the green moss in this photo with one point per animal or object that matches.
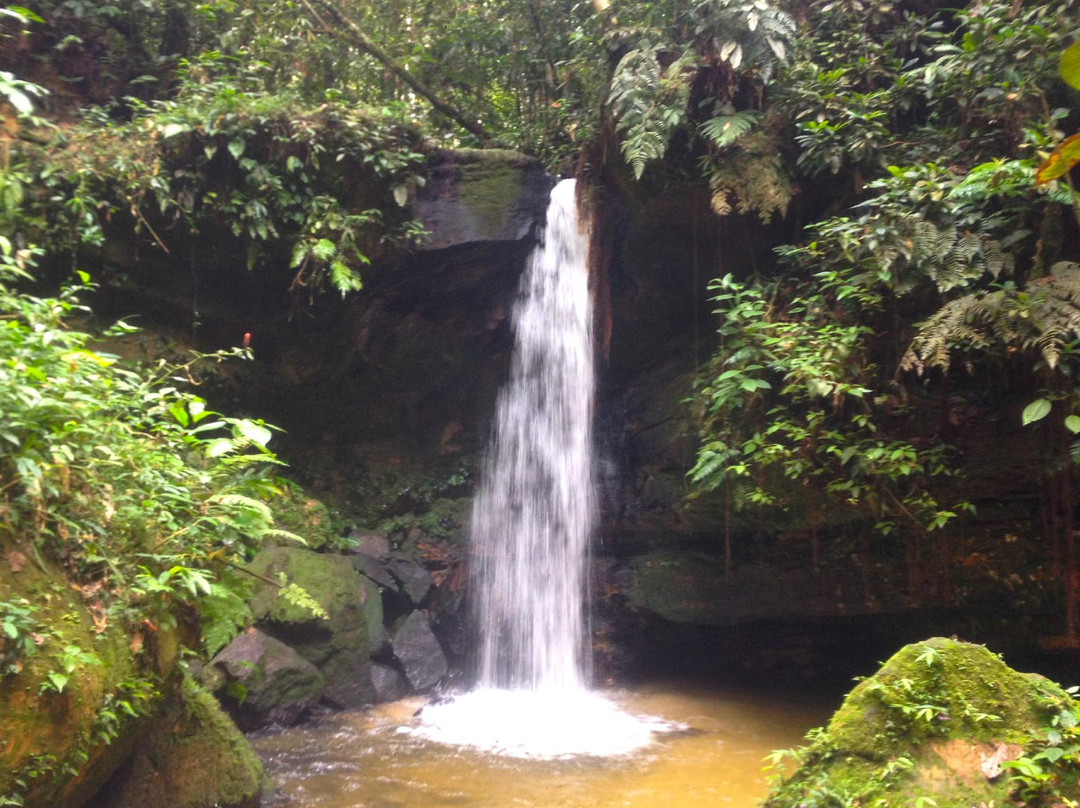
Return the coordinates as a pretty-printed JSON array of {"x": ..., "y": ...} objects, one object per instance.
[
  {"x": 922, "y": 727},
  {"x": 307, "y": 518},
  {"x": 59, "y": 743},
  {"x": 192, "y": 757},
  {"x": 338, "y": 645}
]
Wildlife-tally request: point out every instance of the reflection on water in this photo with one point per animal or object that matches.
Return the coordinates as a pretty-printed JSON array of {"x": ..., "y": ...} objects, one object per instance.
[{"x": 372, "y": 760}]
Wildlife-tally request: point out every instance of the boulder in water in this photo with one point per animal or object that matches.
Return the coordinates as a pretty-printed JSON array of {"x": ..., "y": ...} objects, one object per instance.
[
  {"x": 934, "y": 726},
  {"x": 417, "y": 649},
  {"x": 389, "y": 683},
  {"x": 278, "y": 684}
]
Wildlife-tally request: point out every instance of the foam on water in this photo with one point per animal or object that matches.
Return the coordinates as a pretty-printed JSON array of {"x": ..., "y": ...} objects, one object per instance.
[{"x": 539, "y": 724}]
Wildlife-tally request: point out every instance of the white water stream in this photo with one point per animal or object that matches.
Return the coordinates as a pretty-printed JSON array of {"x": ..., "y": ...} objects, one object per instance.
[{"x": 532, "y": 521}]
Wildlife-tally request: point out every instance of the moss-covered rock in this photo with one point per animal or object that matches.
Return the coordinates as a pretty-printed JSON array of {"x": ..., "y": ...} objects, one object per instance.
[
  {"x": 337, "y": 645},
  {"x": 192, "y": 757},
  {"x": 71, "y": 708},
  {"x": 263, "y": 681},
  {"x": 481, "y": 195},
  {"x": 932, "y": 727},
  {"x": 307, "y": 518}
]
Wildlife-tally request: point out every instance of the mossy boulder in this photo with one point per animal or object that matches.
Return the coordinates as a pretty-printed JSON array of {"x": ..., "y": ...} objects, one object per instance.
[
  {"x": 338, "y": 645},
  {"x": 193, "y": 756},
  {"x": 72, "y": 708},
  {"x": 263, "y": 681},
  {"x": 307, "y": 518},
  {"x": 933, "y": 726}
]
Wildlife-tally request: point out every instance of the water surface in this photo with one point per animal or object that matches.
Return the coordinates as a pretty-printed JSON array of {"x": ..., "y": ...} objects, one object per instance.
[{"x": 373, "y": 760}]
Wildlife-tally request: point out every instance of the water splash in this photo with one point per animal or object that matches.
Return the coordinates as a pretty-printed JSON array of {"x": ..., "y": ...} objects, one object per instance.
[{"x": 532, "y": 520}]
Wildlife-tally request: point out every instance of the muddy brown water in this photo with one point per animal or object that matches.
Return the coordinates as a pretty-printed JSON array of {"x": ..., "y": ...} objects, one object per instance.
[{"x": 371, "y": 760}]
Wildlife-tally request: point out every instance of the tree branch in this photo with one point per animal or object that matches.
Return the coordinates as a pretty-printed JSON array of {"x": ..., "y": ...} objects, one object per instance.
[{"x": 365, "y": 43}]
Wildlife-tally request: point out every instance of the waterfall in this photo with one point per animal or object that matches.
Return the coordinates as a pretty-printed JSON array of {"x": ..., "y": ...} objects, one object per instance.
[
  {"x": 534, "y": 512},
  {"x": 532, "y": 520}
]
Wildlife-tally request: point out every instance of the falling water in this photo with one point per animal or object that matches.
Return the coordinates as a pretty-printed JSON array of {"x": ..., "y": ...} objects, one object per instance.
[
  {"x": 532, "y": 520},
  {"x": 534, "y": 512}
]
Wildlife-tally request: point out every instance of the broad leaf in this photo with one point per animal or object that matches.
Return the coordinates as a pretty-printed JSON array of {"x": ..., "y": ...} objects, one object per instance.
[
  {"x": 1035, "y": 411},
  {"x": 1070, "y": 65},
  {"x": 1063, "y": 158}
]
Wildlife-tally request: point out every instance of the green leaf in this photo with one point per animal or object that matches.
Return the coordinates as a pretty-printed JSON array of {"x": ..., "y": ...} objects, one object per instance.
[
  {"x": 1035, "y": 411},
  {"x": 1061, "y": 160},
  {"x": 1070, "y": 65},
  {"x": 20, "y": 100},
  {"x": 219, "y": 447},
  {"x": 1072, "y": 423},
  {"x": 253, "y": 432},
  {"x": 236, "y": 148},
  {"x": 324, "y": 249}
]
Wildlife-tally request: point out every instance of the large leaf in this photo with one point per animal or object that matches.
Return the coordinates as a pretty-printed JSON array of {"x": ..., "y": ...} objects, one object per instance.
[
  {"x": 1035, "y": 411},
  {"x": 1070, "y": 65},
  {"x": 1064, "y": 157}
]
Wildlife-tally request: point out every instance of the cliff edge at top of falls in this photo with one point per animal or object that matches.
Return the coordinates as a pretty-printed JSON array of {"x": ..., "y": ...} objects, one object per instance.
[{"x": 481, "y": 195}]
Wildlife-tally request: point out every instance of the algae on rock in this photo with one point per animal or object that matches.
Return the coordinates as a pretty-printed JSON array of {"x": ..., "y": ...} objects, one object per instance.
[
  {"x": 935, "y": 723},
  {"x": 338, "y": 646},
  {"x": 192, "y": 757}
]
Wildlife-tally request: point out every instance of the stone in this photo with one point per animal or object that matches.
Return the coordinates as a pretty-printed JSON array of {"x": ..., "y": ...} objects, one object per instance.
[
  {"x": 952, "y": 711},
  {"x": 415, "y": 580},
  {"x": 279, "y": 685},
  {"x": 371, "y": 544},
  {"x": 417, "y": 649},
  {"x": 481, "y": 195},
  {"x": 389, "y": 683},
  {"x": 193, "y": 756},
  {"x": 373, "y": 613},
  {"x": 374, "y": 569},
  {"x": 337, "y": 646}
]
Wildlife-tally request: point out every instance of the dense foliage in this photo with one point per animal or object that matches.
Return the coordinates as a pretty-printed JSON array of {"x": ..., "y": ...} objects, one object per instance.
[{"x": 948, "y": 258}]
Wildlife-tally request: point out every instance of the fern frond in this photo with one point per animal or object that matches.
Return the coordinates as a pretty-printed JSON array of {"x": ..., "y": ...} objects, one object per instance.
[{"x": 724, "y": 130}]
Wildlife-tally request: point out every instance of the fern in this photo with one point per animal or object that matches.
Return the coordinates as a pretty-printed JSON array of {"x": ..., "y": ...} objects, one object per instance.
[
  {"x": 650, "y": 103},
  {"x": 1044, "y": 316},
  {"x": 223, "y": 613},
  {"x": 296, "y": 595},
  {"x": 724, "y": 130},
  {"x": 754, "y": 181}
]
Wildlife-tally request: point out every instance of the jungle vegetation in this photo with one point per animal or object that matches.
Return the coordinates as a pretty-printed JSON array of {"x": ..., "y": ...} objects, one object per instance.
[{"x": 928, "y": 141}]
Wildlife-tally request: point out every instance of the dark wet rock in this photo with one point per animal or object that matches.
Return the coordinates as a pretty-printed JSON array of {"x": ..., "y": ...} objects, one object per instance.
[
  {"x": 337, "y": 645},
  {"x": 278, "y": 684},
  {"x": 389, "y": 683},
  {"x": 374, "y": 569},
  {"x": 415, "y": 580},
  {"x": 417, "y": 649}
]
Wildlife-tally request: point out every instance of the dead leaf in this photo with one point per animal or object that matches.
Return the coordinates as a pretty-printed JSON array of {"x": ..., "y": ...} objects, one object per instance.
[{"x": 16, "y": 560}]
